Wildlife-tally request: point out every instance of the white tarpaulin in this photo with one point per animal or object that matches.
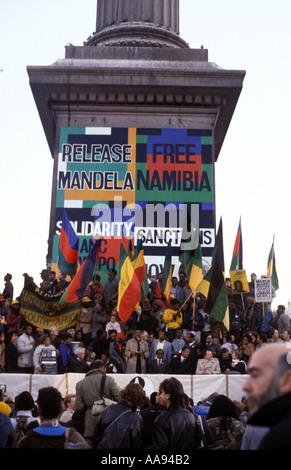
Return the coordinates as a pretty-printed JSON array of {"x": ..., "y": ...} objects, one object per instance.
[{"x": 196, "y": 387}]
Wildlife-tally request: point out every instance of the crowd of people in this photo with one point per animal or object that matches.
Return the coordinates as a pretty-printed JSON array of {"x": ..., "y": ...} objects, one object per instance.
[{"x": 180, "y": 339}]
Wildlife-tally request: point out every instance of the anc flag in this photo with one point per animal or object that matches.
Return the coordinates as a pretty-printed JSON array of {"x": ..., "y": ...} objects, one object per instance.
[
  {"x": 218, "y": 252},
  {"x": 203, "y": 286},
  {"x": 217, "y": 299},
  {"x": 83, "y": 277},
  {"x": 237, "y": 255},
  {"x": 217, "y": 256},
  {"x": 195, "y": 277},
  {"x": 271, "y": 269},
  {"x": 68, "y": 248},
  {"x": 167, "y": 274},
  {"x": 128, "y": 287}
]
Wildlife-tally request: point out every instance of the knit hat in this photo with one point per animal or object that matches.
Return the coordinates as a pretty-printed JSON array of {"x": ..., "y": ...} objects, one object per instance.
[{"x": 159, "y": 303}]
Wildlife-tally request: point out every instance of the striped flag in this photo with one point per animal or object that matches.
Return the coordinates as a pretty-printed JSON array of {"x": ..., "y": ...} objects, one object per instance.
[
  {"x": 237, "y": 255},
  {"x": 167, "y": 274},
  {"x": 218, "y": 252},
  {"x": 196, "y": 269},
  {"x": 83, "y": 277},
  {"x": 128, "y": 287},
  {"x": 138, "y": 261},
  {"x": 217, "y": 299},
  {"x": 68, "y": 247},
  {"x": 271, "y": 269}
]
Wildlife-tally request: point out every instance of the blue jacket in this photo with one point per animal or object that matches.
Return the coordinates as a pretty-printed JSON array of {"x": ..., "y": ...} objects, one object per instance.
[
  {"x": 167, "y": 350},
  {"x": 6, "y": 431},
  {"x": 66, "y": 354}
]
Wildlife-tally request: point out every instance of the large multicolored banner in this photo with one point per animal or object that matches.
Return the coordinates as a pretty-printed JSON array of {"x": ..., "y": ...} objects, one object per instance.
[{"x": 133, "y": 183}]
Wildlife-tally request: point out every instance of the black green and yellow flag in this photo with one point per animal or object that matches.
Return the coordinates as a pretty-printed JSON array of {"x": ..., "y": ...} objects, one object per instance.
[
  {"x": 271, "y": 268},
  {"x": 167, "y": 274},
  {"x": 195, "y": 276},
  {"x": 217, "y": 299},
  {"x": 218, "y": 252}
]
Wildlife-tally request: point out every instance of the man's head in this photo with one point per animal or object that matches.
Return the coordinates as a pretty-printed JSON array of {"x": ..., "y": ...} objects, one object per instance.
[
  {"x": 158, "y": 304},
  {"x": 137, "y": 334},
  {"x": 53, "y": 331},
  {"x": 269, "y": 377},
  {"x": 208, "y": 339},
  {"x": 49, "y": 403},
  {"x": 185, "y": 352},
  {"x": 171, "y": 393},
  {"x": 162, "y": 335},
  {"x": 207, "y": 354},
  {"x": 112, "y": 273},
  {"x": 179, "y": 333},
  {"x": 159, "y": 353},
  {"x": 81, "y": 352},
  {"x": 224, "y": 353},
  {"x": 280, "y": 309},
  {"x": 28, "y": 330},
  {"x": 190, "y": 338},
  {"x": 174, "y": 281}
]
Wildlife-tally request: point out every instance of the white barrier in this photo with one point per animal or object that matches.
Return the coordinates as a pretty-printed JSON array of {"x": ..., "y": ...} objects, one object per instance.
[{"x": 195, "y": 386}]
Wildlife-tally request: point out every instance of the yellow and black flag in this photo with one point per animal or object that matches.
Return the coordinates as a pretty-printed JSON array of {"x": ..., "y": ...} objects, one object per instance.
[{"x": 217, "y": 299}]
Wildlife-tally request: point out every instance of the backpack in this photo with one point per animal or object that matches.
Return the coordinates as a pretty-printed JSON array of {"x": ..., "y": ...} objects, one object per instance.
[{"x": 20, "y": 429}]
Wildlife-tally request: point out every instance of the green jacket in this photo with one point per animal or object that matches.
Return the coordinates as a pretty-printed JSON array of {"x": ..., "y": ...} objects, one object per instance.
[{"x": 88, "y": 390}]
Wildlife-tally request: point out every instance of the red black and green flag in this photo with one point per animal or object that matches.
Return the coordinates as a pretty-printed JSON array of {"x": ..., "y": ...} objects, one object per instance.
[
  {"x": 237, "y": 255},
  {"x": 68, "y": 248},
  {"x": 83, "y": 277}
]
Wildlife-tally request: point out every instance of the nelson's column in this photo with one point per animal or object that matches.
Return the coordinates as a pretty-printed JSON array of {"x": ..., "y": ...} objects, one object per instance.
[{"x": 135, "y": 120}]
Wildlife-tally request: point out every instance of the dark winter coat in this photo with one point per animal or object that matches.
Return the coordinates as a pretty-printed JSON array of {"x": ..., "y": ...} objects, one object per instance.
[
  {"x": 125, "y": 433},
  {"x": 276, "y": 415},
  {"x": 174, "y": 430}
]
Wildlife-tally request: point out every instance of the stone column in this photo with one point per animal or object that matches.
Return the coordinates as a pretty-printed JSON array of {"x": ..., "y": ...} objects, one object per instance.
[
  {"x": 162, "y": 13},
  {"x": 142, "y": 23}
]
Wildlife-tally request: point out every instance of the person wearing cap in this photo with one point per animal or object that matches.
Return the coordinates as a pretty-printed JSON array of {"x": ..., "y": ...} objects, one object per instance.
[
  {"x": 6, "y": 428},
  {"x": 85, "y": 320}
]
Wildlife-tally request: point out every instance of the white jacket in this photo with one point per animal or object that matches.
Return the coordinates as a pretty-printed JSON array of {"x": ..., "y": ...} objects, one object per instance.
[{"x": 25, "y": 349}]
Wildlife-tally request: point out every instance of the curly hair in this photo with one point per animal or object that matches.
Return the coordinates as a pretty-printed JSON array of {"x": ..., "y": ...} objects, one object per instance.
[
  {"x": 223, "y": 408},
  {"x": 134, "y": 394}
]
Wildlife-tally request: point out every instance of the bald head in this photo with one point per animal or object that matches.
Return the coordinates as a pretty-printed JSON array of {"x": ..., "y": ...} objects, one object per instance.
[{"x": 269, "y": 371}]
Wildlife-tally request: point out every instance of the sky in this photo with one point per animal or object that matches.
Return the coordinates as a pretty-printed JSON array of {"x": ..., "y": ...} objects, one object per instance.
[{"x": 252, "y": 171}]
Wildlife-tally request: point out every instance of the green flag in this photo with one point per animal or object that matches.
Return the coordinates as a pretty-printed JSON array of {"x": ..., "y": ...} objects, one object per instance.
[{"x": 271, "y": 268}]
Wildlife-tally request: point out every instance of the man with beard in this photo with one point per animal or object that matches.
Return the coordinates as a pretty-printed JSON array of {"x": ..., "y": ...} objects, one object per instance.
[{"x": 268, "y": 394}]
